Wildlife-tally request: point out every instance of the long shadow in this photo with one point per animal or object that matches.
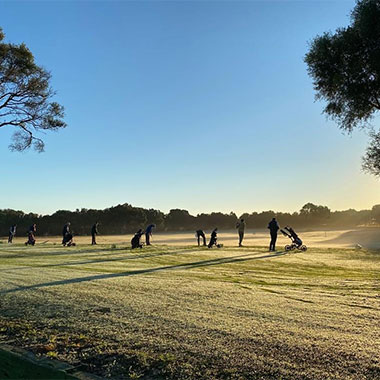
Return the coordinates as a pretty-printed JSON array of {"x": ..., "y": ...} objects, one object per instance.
[
  {"x": 127, "y": 258},
  {"x": 197, "y": 264},
  {"x": 14, "y": 254}
]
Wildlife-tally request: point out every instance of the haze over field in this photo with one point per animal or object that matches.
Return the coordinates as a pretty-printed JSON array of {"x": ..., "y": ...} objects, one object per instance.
[{"x": 366, "y": 237}]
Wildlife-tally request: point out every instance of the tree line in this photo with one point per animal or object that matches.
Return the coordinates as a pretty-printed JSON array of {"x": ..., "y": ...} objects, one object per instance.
[{"x": 126, "y": 219}]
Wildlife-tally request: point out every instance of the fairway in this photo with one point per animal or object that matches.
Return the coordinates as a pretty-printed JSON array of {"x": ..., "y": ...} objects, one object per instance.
[
  {"x": 192, "y": 131},
  {"x": 183, "y": 312}
]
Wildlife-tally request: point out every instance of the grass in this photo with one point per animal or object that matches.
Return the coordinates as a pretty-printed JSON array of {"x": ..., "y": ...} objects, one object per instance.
[{"x": 183, "y": 312}]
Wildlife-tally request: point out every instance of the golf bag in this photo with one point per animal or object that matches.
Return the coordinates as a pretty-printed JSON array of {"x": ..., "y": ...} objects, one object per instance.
[
  {"x": 214, "y": 239},
  {"x": 296, "y": 241},
  {"x": 31, "y": 239},
  {"x": 68, "y": 240},
  {"x": 136, "y": 240}
]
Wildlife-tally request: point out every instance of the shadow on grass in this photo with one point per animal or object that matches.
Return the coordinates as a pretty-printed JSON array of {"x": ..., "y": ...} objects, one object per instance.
[
  {"x": 197, "y": 264},
  {"x": 62, "y": 251},
  {"x": 15, "y": 254},
  {"x": 105, "y": 260}
]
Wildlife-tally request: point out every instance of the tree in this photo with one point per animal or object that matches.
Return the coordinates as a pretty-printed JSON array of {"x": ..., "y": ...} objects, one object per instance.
[
  {"x": 24, "y": 97},
  {"x": 371, "y": 159},
  {"x": 178, "y": 219},
  {"x": 314, "y": 214},
  {"x": 345, "y": 67},
  {"x": 375, "y": 213}
]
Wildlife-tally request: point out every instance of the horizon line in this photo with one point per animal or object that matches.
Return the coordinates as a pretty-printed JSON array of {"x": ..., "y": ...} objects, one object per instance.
[{"x": 178, "y": 208}]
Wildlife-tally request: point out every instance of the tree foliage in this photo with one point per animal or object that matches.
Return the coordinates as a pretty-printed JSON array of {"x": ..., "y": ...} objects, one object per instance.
[
  {"x": 126, "y": 219},
  {"x": 25, "y": 96},
  {"x": 310, "y": 210},
  {"x": 376, "y": 213},
  {"x": 345, "y": 67}
]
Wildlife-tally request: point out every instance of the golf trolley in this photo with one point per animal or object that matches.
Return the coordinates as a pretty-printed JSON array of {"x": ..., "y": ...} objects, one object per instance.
[{"x": 296, "y": 241}]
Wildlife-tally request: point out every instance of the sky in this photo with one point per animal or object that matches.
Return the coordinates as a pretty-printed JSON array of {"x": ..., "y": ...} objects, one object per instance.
[{"x": 204, "y": 106}]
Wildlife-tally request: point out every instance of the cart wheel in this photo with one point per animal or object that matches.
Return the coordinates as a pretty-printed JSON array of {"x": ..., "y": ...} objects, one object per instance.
[
  {"x": 303, "y": 248},
  {"x": 288, "y": 248}
]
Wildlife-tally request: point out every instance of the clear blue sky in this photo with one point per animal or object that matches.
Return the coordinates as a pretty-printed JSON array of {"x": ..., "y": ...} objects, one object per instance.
[{"x": 199, "y": 105}]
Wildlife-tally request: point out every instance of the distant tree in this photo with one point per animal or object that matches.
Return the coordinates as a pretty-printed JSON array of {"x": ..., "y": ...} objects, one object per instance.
[
  {"x": 126, "y": 219},
  {"x": 371, "y": 159},
  {"x": 179, "y": 219},
  {"x": 314, "y": 214},
  {"x": 312, "y": 209},
  {"x": 24, "y": 97},
  {"x": 375, "y": 213},
  {"x": 345, "y": 67}
]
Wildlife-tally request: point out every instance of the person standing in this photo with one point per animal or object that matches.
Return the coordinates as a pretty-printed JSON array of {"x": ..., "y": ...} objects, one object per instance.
[
  {"x": 273, "y": 228},
  {"x": 148, "y": 233},
  {"x": 94, "y": 232},
  {"x": 12, "y": 233},
  {"x": 65, "y": 231},
  {"x": 200, "y": 234},
  {"x": 240, "y": 225}
]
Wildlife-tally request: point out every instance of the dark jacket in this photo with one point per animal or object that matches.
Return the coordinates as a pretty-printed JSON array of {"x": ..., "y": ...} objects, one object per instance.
[
  {"x": 66, "y": 229},
  {"x": 94, "y": 229},
  {"x": 149, "y": 229},
  {"x": 273, "y": 226}
]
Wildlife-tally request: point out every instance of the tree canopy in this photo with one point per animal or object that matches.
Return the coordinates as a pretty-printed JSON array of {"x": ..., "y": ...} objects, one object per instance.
[
  {"x": 25, "y": 96},
  {"x": 126, "y": 219},
  {"x": 345, "y": 67}
]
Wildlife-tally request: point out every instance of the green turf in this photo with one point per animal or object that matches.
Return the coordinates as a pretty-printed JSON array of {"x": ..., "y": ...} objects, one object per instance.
[{"x": 193, "y": 313}]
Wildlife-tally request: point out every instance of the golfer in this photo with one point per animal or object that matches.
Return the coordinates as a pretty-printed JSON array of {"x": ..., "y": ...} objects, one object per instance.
[
  {"x": 148, "y": 233},
  {"x": 12, "y": 233},
  {"x": 200, "y": 234},
  {"x": 240, "y": 225},
  {"x": 273, "y": 228},
  {"x": 94, "y": 232}
]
